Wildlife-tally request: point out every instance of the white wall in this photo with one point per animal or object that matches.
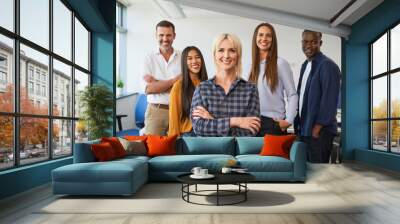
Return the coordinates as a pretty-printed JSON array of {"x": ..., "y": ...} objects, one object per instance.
[{"x": 200, "y": 29}]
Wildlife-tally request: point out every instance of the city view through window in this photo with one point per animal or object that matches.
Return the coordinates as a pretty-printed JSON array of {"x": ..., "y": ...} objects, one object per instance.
[
  {"x": 39, "y": 113},
  {"x": 385, "y": 93}
]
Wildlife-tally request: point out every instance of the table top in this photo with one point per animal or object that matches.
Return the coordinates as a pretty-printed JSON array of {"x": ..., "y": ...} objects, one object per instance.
[{"x": 220, "y": 178}]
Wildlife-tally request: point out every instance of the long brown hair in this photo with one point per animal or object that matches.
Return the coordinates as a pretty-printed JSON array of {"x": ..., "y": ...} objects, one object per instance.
[
  {"x": 271, "y": 67},
  {"x": 187, "y": 84}
]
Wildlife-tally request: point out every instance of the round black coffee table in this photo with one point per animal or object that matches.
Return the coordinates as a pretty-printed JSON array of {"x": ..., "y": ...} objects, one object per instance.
[{"x": 238, "y": 179}]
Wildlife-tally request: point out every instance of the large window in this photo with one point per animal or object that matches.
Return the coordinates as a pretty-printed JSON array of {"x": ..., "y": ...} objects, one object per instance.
[
  {"x": 44, "y": 64},
  {"x": 385, "y": 94}
]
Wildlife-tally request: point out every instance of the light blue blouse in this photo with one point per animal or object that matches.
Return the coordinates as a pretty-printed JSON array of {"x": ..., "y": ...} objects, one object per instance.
[{"x": 283, "y": 102}]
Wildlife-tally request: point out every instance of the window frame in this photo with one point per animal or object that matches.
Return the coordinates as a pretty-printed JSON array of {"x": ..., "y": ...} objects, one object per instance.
[
  {"x": 388, "y": 74},
  {"x": 15, "y": 71}
]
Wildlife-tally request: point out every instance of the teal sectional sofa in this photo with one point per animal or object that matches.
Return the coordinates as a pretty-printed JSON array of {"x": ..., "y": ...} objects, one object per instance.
[{"x": 125, "y": 176}]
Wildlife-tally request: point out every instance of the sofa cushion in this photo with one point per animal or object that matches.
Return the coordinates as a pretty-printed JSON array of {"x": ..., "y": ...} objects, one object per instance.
[
  {"x": 112, "y": 171},
  {"x": 116, "y": 145},
  {"x": 136, "y": 147},
  {"x": 161, "y": 145},
  {"x": 206, "y": 145},
  {"x": 249, "y": 145},
  {"x": 142, "y": 138},
  {"x": 103, "y": 151},
  {"x": 257, "y": 163},
  {"x": 277, "y": 145},
  {"x": 128, "y": 159},
  {"x": 83, "y": 152},
  {"x": 185, "y": 163}
]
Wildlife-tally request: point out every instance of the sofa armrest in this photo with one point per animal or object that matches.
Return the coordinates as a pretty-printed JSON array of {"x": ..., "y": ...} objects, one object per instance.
[
  {"x": 83, "y": 152},
  {"x": 298, "y": 157}
]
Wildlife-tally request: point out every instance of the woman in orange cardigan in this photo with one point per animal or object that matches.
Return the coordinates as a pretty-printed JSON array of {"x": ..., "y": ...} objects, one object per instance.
[{"x": 180, "y": 98}]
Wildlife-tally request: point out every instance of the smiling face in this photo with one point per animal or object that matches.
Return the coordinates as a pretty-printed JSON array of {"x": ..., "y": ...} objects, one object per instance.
[
  {"x": 311, "y": 44},
  {"x": 264, "y": 38},
  {"x": 165, "y": 37},
  {"x": 194, "y": 62},
  {"x": 226, "y": 55}
]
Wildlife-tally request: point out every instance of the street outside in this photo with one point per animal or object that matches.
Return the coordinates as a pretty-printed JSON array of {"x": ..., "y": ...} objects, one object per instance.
[{"x": 29, "y": 156}]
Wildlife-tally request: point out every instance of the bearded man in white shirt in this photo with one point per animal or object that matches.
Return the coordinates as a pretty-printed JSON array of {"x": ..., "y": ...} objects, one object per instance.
[{"x": 161, "y": 69}]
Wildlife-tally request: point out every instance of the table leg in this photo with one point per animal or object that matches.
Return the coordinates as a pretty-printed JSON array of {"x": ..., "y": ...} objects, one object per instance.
[
  {"x": 245, "y": 193},
  {"x": 217, "y": 194},
  {"x": 182, "y": 190}
]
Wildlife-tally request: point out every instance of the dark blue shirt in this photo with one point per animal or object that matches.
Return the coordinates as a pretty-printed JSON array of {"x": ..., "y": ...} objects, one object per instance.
[
  {"x": 321, "y": 96},
  {"x": 240, "y": 101}
]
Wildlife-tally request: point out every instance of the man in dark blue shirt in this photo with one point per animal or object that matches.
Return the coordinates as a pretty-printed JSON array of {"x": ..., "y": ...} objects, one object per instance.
[{"x": 318, "y": 90}]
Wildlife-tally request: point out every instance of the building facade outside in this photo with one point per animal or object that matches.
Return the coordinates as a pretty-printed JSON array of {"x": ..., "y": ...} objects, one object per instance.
[{"x": 34, "y": 82}]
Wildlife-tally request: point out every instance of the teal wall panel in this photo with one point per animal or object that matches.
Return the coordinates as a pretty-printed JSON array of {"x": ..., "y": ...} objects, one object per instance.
[
  {"x": 103, "y": 61},
  {"x": 380, "y": 159},
  {"x": 24, "y": 178},
  {"x": 103, "y": 58},
  {"x": 357, "y": 100}
]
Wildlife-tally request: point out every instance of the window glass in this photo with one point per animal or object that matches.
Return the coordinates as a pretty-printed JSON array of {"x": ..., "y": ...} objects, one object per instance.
[
  {"x": 6, "y": 142},
  {"x": 7, "y": 14},
  {"x": 31, "y": 58},
  {"x": 81, "y": 45},
  {"x": 33, "y": 140},
  {"x": 395, "y": 47},
  {"x": 62, "y": 138},
  {"x": 62, "y": 29},
  {"x": 395, "y": 95},
  {"x": 35, "y": 21},
  {"x": 34, "y": 81},
  {"x": 379, "y": 57},
  {"x": 379, "y": 135},
  {"x": 379, "y": 98},
  {"x": 119, "y": 14},
  {"x": 395, "y": 136},
  {"x": 81, "y": 81},
  {"x": 81, "y": 131},
  {"x": 62, "y": 91},
  {"x": 6, "y": 75}
]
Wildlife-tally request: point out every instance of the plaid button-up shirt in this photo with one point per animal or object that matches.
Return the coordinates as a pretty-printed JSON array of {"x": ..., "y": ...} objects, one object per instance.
[{"x": 240, "y": 101}]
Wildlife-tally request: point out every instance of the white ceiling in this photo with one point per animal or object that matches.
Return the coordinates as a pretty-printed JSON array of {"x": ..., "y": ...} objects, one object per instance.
[
  {"x": 303, "y": 14},
  {"x": 320, "y": 9}
]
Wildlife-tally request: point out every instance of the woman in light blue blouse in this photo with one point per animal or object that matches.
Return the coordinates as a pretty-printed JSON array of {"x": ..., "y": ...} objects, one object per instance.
[{"x": 274, "y": 79}]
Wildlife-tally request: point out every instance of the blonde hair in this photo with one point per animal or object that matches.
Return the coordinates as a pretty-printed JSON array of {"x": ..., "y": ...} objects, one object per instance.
[{"x": 236, "y": 44}]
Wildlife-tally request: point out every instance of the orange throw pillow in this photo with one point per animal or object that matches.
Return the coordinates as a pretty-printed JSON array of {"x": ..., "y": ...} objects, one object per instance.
[
  {"x": 161, "y": 145},
  {"x": 135, "y": 138},
  {"x": 103, "y": 152},
  {"x": 277, "y": 145},
  {"x": 116, "y": 145}
]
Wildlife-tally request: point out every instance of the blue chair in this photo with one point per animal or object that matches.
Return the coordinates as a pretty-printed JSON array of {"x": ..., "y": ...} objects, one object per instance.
[{"x": 140, "y": 110}]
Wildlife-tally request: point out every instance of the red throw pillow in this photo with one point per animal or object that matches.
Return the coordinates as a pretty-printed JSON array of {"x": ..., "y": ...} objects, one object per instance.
[
  {"x": 116, "y": 145},
  {"x": 135, "y": 138},
  {"x": 161, "y": 145},
  {"x": 277, "y": 145},
  {"x": 103, "y": 151}
]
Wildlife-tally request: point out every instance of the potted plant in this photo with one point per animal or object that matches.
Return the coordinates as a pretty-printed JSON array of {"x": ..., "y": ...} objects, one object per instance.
[
  {"x": 96, "y": 102},
  {"x": 120, "y": 85}
]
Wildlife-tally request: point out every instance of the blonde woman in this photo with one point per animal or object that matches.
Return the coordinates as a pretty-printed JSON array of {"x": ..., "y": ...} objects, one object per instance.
[{"x": 226, "y": 105}]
